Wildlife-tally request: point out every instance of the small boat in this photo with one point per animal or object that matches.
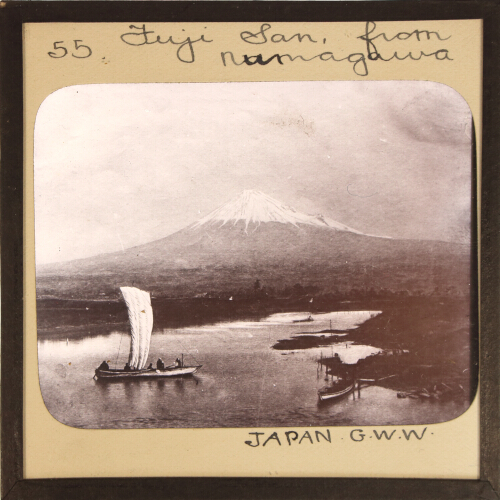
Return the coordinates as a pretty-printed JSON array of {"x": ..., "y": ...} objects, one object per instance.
[
  {"x": 306, "y": 320},
  {"x": 140, "y": 314},
  {"x": 338, "y": 389}
]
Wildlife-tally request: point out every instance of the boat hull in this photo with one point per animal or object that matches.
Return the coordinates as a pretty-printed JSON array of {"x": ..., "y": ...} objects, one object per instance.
[
  {"x": 148, "y": 373},
  {"x": 329, "y": 395}
]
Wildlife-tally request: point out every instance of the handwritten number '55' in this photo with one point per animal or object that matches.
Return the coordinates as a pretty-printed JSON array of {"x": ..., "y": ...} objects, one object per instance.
[{"x": 63, "y": 51}]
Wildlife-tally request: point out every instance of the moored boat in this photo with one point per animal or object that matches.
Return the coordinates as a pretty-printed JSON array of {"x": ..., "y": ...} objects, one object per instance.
[
  {"x": 338, "y": 389},
  {"x": 140, "y": 315}
]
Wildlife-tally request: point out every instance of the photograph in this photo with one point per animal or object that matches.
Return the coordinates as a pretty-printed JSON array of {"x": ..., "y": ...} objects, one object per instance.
[{"x": 256, "y": 254}]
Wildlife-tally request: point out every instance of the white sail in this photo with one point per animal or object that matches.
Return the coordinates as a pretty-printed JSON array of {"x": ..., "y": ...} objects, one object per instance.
[{"x": 140, "y": 315}]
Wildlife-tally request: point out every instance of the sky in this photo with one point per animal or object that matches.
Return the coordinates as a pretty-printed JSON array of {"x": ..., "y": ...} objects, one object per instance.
[{"x": 118, "y": 165}]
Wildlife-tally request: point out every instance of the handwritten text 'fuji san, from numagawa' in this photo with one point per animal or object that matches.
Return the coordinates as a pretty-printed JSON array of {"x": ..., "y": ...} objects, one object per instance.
[{"x": 375, "y": 46}]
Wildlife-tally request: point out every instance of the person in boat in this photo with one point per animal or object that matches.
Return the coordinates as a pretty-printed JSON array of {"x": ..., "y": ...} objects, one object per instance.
[
  {"x": 127, "y": 367},
  {"x": 178, "y": 363},
  {"x": 160, "y": 365},
  {"x": 150, "y": 367},
  {"x": 104, "y": 366}
]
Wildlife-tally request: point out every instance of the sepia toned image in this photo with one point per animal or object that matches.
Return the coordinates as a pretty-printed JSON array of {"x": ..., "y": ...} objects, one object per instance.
[{"x": 255, "y": 254}]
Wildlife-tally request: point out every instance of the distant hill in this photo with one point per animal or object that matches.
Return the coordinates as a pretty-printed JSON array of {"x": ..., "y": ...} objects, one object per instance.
[{"x": 257, "y": 237}]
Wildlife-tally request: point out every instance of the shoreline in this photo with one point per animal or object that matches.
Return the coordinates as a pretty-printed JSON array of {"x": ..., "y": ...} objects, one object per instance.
[{"x": 436, "y": 332}]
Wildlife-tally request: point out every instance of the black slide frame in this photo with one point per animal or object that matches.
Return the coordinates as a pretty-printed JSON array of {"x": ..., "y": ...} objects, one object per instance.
[{"x": 12, "y": 17}]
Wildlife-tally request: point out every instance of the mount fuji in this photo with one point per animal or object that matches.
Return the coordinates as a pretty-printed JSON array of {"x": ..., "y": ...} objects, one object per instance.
[
  {"x": 255, "y": 236},
  {"x": 253, "y": 208}
]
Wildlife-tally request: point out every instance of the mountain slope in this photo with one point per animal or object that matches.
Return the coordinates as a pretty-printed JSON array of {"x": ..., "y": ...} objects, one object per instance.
[{"x": 257, "y": 235}]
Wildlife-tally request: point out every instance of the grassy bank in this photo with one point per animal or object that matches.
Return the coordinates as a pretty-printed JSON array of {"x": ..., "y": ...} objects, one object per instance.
[
  {"x": 438, "y": 335},
  {"x": 182, "y": 312}
]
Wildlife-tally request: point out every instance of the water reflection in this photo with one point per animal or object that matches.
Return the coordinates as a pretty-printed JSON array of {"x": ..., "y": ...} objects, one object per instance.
[{"x": 243, "y": 382}]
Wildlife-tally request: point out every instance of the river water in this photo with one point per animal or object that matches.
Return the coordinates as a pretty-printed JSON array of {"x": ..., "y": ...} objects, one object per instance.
[{"x": 243, "y": 381}]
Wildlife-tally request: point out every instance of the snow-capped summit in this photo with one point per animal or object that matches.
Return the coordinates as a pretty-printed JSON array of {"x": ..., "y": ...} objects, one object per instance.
[{"x": 256, "y": 207}]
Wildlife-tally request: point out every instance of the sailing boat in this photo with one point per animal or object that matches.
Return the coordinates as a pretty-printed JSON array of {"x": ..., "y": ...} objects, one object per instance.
[
  {"x": 306, "y": 320},
  {"x": 140, "y": 315}
]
